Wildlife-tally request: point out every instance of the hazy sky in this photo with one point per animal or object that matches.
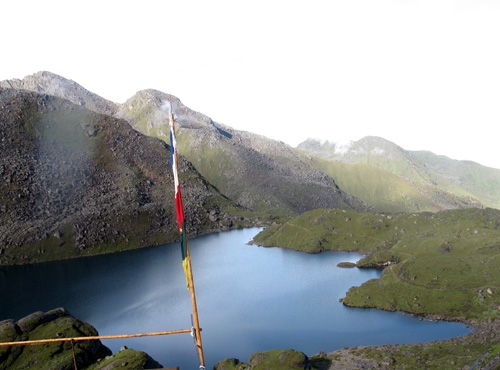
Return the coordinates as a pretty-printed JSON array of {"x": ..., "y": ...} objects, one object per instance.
[{"x": 424, "y": 74}]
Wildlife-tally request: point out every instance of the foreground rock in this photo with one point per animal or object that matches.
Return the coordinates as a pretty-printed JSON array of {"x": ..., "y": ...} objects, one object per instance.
[{"x": 59, "y": 323}]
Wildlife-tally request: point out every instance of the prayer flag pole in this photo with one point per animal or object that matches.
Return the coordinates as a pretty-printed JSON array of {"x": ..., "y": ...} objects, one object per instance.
[{"x": 186, "y": 256}]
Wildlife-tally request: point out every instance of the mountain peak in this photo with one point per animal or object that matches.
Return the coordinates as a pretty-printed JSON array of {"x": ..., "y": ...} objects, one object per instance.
[
  {"x": 49, "y": 83},
  {"x": 144, "y": 120}
]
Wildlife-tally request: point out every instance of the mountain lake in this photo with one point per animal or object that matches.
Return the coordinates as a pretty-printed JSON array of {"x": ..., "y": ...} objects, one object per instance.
[{"x": 249, "y": 299}]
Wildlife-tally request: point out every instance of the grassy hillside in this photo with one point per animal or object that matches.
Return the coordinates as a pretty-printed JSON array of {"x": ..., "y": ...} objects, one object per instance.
[
  {"x": 465, "y": 178},
  {"x": 443, "y": 264},
  {"x": 388, "y": 192}
]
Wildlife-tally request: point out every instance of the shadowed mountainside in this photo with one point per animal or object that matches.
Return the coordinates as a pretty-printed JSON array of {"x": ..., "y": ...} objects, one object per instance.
[
  {"x": 78, "y": 183},
  {"x": 265, "y": 174}
]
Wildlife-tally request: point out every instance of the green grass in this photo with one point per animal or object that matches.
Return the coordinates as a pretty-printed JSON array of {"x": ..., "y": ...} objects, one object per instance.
[
  {"x": 441, "y": 264},
  {"x": 387, "y": 191}
]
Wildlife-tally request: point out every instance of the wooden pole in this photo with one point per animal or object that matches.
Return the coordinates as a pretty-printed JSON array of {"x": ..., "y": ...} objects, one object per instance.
[
  {"x": 74, "y": 356},
  {"x": 196, "y": 321},
  {"x": 180, "y": 219}
]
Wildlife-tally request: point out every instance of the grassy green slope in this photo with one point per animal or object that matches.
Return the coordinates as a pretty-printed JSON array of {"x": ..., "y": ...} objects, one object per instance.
[
  {"x": 468, "y": 179},
  {"x": 372, "y": 150},
  {"x": 382, "y": 189},
  {"x": 442, "y": 264}
]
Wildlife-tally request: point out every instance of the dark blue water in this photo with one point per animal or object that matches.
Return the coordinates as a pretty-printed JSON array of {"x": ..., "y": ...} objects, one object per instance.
[{"x": 249, "y": 299}]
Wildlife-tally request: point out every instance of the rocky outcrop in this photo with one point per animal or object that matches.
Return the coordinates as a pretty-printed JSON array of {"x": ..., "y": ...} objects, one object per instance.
[{"x": 55, "y": 324}]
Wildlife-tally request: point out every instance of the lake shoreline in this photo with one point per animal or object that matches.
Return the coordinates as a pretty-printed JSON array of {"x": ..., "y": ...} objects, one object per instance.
[{"x": 474, "y": 348}]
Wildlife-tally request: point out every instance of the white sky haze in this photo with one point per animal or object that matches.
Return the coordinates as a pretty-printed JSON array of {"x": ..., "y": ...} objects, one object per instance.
[{"x": 422, "y": 73}]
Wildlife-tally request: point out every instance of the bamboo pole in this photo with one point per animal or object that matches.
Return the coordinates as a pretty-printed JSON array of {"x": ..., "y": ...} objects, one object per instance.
[
  {"x": 196, "y": 321},
  {"x": 95, "y": 337},
  {"x": 74, "y": 355}
]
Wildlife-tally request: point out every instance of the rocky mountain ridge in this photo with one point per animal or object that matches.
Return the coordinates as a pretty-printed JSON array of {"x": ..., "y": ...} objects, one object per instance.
[{"x": 245, "y": 167}]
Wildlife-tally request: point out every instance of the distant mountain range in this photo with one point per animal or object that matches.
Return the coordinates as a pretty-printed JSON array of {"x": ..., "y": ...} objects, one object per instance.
[
  {"x": 391, "y": 178},
  {"x": 59, "y": 188}
]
